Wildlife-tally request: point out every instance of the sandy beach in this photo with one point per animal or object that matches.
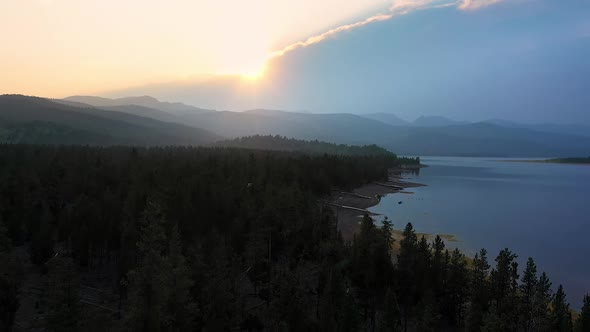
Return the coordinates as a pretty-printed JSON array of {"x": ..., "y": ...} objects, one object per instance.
[{"x": 349, "y": 206}]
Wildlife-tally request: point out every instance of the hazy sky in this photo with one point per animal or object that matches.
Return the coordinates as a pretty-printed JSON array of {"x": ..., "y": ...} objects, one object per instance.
[
  {"x": 62, "y": 47},
  {"x": 523, "y": 60}
]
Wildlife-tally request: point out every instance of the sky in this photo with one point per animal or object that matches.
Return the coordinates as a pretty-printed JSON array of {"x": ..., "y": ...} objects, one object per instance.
[
  {"x": 520, "y": 60},
  {"x": 61, "y": 47}
]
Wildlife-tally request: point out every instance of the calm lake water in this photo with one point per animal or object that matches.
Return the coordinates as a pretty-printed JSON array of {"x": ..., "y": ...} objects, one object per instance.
[{"x": 536, "y": 210}]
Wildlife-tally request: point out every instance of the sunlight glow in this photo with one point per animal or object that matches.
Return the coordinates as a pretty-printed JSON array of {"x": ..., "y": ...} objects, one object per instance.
[
  {"x": 58, "y": 48},
  {"x": 253, "y": 75},
  {"x": 251, "y": 67}
]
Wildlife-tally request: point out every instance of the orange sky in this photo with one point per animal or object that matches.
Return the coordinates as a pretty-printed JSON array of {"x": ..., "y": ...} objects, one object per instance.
[{"x": 56, "y": 48}]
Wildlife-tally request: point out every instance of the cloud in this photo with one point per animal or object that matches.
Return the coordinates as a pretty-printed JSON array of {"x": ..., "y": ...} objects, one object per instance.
[
  {"x": 476, "y": 4},
  {"x": 399, "y": 7},
  {"x": 407, "y": 6},
  {"x": 318, "y": 38}
]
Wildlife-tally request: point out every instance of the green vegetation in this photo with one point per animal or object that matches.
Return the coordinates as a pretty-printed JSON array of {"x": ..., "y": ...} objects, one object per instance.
[
  {"x": 185, "y": 239},
  {"x": 280, "y": 143},
  {"x": 580, "y": 160},
  {"x": 577, "y": 160},
  {"x": 145, "y": 121},
  {"x": 32, "y": 120},
  {"x": 583, "y": 322},
  {"x": 48, "y": 133}
]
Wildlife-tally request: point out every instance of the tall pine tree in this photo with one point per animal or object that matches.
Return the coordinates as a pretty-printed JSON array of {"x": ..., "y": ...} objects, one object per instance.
[
  {"x": 149, "y": 281},
  {"x": 10, "y": 280},
  {"x": 528, "y": 293},
  {"x": 406, "y": 266},
  {"x": 478, "y": 291},
  {"x": 583, "y": 322},
  {"x": 561, "y": 317},
  {"x": 63, "y": 295}
]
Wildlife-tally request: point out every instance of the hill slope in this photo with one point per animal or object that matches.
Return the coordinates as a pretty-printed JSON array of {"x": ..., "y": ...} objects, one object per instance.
[
  {"x": 428, "y": 136},
  {"x": 145, "y": 101},
  {"x": 476, "y": 139},
  {"x": 280, "y": 143},
  {"x": 388, "y": 118},
  {"x": 435, "y": 121},
  {"x": 36, "y": 120}
]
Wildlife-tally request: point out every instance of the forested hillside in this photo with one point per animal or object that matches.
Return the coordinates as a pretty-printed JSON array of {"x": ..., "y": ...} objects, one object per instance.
[
  {"x": 281, "y": 143},
  {"x": 147, "y": 121},
  {"x": 185, "y": 239},
  {"x": 428, "y": 135},
  {"x": 143, "y": 101},
  {"x": 33, "y": 120},
  {"x": 581, "y": 160}
]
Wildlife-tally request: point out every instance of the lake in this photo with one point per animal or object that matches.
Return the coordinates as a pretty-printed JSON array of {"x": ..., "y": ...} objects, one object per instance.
[{"x": 534, "y": 209}]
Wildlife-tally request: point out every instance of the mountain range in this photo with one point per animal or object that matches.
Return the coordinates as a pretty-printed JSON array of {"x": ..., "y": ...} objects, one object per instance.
[
  {"x": 147, "y": 121},
  {"x": 42, "y": 121},
  {"x": 145, "y": 101}
]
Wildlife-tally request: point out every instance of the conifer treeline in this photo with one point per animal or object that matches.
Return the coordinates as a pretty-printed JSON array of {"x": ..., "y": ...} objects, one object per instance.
[
  {"x": 282, "y": 143},
  {"x": 429, "y": 288},
  {"x": 229, "y": 239}
]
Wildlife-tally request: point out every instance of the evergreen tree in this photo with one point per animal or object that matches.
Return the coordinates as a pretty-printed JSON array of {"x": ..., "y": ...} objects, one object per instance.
[
  {"x": 63, "y": 295},
  {"x": 491, "y": 321},
  {"x": 5, "y": 242},
  {"x": 583, "y": 322},
  {"x": 263, "y": 254},
  {"x": 41, "y": 248},
  {"x": 428, "y": 317},
  {"x": 406, "y": 267},
  {"x": 437, "y": 271},
  {"x": 504, "y": 282},
  {"x": 435, "y": 268},
  {"x": 330, "y": 299},
  {"x": 478, "y": 290},
  {"x": 541, "y": 304},
  {"x": 372, "y": 266},
  {"x": 10, "y": 281},
  {"x": 391, "y": 313},
  {"x": 456, "y": 292},
  {"x": 149, "y": 281},
  {"x": 387, "y": 230},
  {"x": 561, "y": 317},
  {"x": 528, "y": 291},
  {"x": 212, "y": 272},
  {"x": 423, "y": 269},
  {"x": 180, "y": 308}
]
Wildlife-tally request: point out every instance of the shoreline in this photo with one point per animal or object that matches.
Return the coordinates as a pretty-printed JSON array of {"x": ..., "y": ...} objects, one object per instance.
[
  {"x": 543, "y": 161},
  {"x": 349, "y": 206}
]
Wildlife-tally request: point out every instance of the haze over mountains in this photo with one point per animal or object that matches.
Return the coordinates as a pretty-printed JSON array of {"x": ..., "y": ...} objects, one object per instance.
[
  {"x": 145, "y": 101},
  {"x": 41, "y": 121},
  {"x": 147, "y": 121},
  {"x": 523, "y": 61}
]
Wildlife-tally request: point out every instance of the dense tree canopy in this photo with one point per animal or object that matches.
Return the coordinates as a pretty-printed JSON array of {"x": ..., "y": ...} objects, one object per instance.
[
  {"x": 224, "y": 238},
  {"x": 281, "y": 143}
]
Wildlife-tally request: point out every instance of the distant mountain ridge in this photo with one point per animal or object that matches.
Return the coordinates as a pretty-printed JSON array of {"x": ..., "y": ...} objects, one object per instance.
[
  {"x": 421, "y": 121},
  {"x": 25, "y": 119},
  {"x": 145, "y": 101},
  {"x": 388, "y": 118},
  {"x": 425, "y": 136},
  {"x": 436, "y": 121},
  {"x": 440, "y": 121}
]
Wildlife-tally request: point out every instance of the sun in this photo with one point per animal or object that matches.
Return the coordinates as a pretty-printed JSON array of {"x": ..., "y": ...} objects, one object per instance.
[
  {"x": 252, "y": 68},
  {"x": 253, "y": 73},
  {"x": 249, "y": 66}
]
